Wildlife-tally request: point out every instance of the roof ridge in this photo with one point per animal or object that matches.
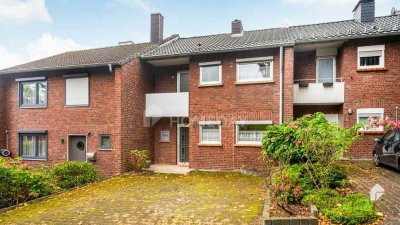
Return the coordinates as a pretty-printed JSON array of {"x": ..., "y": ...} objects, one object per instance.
[
  {"x": 105, "y": 47},
  {"x": 274, "y": 28}
]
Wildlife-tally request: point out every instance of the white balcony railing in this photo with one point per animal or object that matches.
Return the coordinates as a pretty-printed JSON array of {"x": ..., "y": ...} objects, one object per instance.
[
  {"x": 167, "y": 105},
  {"x": 307, "y": 93}
]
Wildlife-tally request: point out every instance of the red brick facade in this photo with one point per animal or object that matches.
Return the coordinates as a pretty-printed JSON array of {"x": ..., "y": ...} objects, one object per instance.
[{"x": 117, "y": 106}]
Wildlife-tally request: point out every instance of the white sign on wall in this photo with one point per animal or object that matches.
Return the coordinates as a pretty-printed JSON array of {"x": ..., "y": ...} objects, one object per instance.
[{"x": 164, "y": 136}]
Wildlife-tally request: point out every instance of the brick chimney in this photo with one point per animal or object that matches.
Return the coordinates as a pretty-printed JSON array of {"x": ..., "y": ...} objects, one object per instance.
[
  {"x": 364, "y": 11},
  {"x": 157, "y": 28},
  {"x": 237, "y": 27}
]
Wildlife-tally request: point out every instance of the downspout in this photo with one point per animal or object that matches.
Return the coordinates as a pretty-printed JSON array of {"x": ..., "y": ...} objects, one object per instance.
[
  {"x": 281, "y": 85},
  {"x": 110, "y": 68}
]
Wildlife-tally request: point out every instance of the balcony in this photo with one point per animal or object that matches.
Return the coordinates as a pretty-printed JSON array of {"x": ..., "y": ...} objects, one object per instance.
[
  {"x": 307, "y": 92},
  {"x": 167, "y": 105}
]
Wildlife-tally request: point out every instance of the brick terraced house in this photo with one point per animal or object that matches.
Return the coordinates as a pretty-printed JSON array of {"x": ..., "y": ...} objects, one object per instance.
[{"x": 204, "y": 101}]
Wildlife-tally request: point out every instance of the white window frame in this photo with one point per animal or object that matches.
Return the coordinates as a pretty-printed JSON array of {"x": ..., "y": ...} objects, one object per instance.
[
  {"x": 255, "y": 60},
  {"x": 334, "y": 66},
  {"x": 178, "y": 80},
  {"x": 258, "y": 122},
  {"x": 371, "y": 48},
  {"x": 205, "y": 123},
  {"x": 206, "y": 64},
  {"x": 370, "y": 112}
]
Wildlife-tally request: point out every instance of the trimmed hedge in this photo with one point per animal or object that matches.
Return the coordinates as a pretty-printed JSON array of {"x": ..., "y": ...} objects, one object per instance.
[{"x": 72, "y": 174}]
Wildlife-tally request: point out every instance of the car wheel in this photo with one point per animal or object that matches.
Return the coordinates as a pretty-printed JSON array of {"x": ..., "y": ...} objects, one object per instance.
[{"x": 376, "y": 159}]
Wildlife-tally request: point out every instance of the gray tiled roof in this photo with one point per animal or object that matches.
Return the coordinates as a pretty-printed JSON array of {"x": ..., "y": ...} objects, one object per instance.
[
  {"x": 278, "y": 36},
  {"x": 116, "y": 55}
]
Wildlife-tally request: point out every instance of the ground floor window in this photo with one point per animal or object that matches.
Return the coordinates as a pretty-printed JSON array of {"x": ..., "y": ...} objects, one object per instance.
[
  {"x": 105, "y": 142},
  {"x": 33, "y": 145},
  {"x": 251, "y": 132},
  {"x": 364, "y": 114},
  {"x": 210, "y": 132}
]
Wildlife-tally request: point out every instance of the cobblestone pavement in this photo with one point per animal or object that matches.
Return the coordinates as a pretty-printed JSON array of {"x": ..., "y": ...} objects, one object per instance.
[
  {"x": 364, "y": 175},
  {"x": 197, "y": 198}
]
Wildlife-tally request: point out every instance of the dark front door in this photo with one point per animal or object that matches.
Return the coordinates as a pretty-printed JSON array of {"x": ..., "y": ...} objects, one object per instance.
[
  {"x": 183, "y": 144},
  {"x": 77, "y": 148}
]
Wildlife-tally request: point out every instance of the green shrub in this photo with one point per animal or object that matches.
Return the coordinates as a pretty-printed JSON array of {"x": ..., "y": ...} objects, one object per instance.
[
  {"x": 355, "y": 209},
  {"x": 338, "y": 176},
  {"x": 72, "y": 174},
  {"x": 140, "y": 160},
  {"x": 351, "y": 210},
  {"x": 19, "y": 184}
]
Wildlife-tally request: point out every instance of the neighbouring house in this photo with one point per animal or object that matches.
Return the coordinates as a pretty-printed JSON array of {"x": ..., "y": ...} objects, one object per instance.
[{"x": 204, "y": 101}]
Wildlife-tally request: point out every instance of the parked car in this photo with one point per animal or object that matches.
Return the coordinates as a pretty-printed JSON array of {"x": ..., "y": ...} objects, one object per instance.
[{"x": 387, "y": 149}]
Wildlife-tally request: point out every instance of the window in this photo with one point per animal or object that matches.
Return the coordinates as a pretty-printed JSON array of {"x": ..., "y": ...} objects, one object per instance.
[
  {"x": 211, "y": 73},
  {"x": 183, "y": 82},
  {"x": 210, "y": 132},
  {"x": 371, "y": 57},
  {"x": 326, "y": 69},
  {"x": 251, "y": 132},
  {"x": 254, "y": 69},
  {"x": 77, "y": 90},
  {"x": 364, "y": 114},
  {"x": 105, "y": 142},
  {"x": 33, "y": 145},
  {"x": 32, "y": 92}
]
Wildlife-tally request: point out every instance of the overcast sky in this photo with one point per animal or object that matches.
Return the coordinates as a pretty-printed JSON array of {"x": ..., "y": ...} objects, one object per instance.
[{"x": 33, "y": 29}]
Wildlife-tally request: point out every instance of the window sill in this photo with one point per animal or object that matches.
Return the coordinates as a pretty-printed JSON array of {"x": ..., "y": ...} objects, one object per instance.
[
  {"x": 105, "y": 149},
  {"x": 164, "y": 142},
  {"x": 33, "y": 107},
  {"x": 254, "y": 82},
  {"x": 371, "y": 132},
  {"x": 210, "y": 85},
  {"x": 29, "y": 159},
  {"x": 249, "y": 145},
  {"x": 371, "y": 69},
  {"x": 76, "y": 106},
  {"x": 209, "y": 145}
]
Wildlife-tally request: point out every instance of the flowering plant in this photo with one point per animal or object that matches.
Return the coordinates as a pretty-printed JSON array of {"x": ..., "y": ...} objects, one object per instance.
[{"x": 387, "y": 123}]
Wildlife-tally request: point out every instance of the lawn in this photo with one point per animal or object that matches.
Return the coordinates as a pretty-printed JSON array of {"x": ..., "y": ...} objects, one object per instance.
[{"x": 197, "y": 198}]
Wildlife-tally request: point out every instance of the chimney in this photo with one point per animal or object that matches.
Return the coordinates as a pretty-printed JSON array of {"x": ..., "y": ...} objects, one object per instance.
[
  {"x": 364, "y": 11},
  {"x": 157, "y": 28},
  {"x": 237, "y": 27}
]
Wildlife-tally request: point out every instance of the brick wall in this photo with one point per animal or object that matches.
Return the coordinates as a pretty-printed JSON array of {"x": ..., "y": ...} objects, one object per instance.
[
  {"x": 371, "y": 89},
  {"x": 165, "y": 152},
  {"x": 136, "y": 80},
  {"x": 288, "y": 77},
  {"x": 229, "y": 103},
  {"x": 2, "y": 113},
  {"x": 60, "y": 121},
  {"x": 300, "y": 110}
]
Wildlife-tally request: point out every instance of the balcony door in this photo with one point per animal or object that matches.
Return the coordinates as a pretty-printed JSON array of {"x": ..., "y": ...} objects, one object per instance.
[
  {"x": 183, "y": 81},
  {"x": 326, "y": 69}
]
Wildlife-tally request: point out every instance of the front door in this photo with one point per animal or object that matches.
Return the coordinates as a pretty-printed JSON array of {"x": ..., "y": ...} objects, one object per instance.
[
  {"x": 183, "y": 144},
  {"x": 77, "y": 148}
]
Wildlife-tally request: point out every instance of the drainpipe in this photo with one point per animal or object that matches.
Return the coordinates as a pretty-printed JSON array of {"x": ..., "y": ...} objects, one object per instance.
[{"x": 281, "y": 85}]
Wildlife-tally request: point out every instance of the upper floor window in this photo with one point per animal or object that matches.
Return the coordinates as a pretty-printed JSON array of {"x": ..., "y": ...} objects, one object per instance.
[
  {"x": 32, "y": 92},
  {"x": 371, "y": 57},
  {"x": 254, "y": 69},
  {"x": 375, "y": 113},
  {"x": 326, "y": 69},
  {"x": 183, "y": 81},
  {"x": 211, "y": 73},
  {"x": 33, "y": 145},
  {"x": 77, "y": 90}
]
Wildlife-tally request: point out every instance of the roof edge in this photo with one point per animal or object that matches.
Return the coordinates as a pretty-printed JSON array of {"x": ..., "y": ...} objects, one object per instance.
[{"x": 58, "y": 68}]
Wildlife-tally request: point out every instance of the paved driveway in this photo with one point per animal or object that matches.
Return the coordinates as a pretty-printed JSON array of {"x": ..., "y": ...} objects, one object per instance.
[
  {"x": 197, "y": 198},
  {"x": 364, "y": 175}
]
